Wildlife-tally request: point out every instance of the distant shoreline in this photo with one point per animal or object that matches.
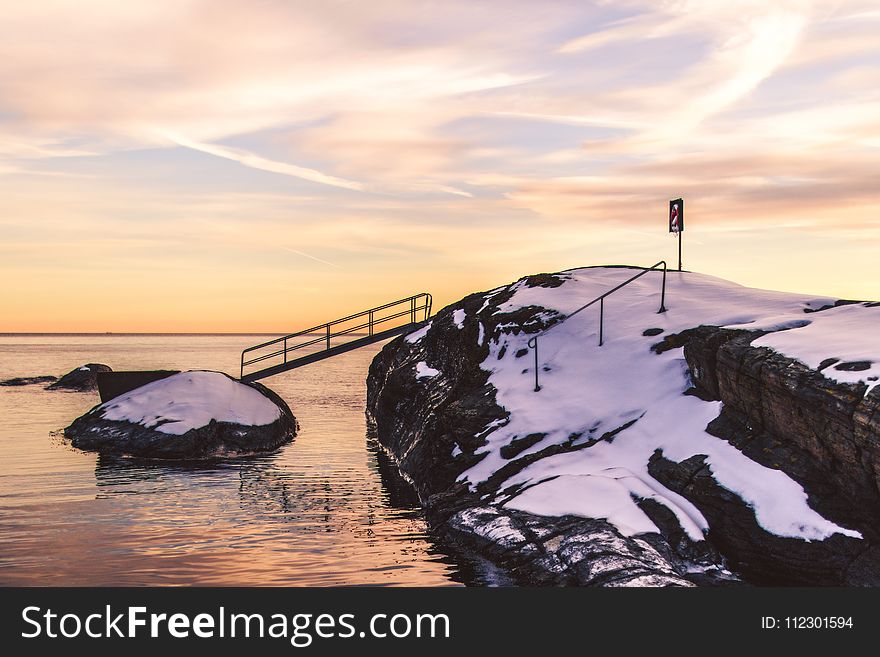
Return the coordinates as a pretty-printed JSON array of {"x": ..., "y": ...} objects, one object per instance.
[{"x": 109, "y": 334}]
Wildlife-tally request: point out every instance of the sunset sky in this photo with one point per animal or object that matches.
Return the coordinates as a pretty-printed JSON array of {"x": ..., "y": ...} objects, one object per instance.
[{"x": 237, "y": 166}]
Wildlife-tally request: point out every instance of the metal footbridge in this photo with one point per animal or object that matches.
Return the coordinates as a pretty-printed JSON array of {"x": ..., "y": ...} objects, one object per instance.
[{"x": 333, "y": 338}]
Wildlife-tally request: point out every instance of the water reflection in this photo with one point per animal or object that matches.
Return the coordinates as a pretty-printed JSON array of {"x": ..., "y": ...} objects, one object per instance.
[
  {"x": 249, "y": 501},
  {"x": 327, "y": 509},
  {"x": 400, "y": 493}
]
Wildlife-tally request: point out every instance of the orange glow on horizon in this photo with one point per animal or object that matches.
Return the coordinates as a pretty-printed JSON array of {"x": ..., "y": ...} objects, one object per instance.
[{"x": 263, "y": 168}]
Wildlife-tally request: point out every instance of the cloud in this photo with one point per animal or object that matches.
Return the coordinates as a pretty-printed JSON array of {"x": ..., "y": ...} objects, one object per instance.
[
  {"x": 257, "y": 162},
  {"x": 311, "y": 257},
  {"x": 470, "y": 142}
]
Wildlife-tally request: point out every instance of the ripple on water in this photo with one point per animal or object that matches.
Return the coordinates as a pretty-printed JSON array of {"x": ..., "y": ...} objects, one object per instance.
[{"x": 327, "y": 509}]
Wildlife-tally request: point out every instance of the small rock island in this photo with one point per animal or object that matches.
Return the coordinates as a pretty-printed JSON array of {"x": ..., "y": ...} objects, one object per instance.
[
  {"x": 733, "y": 438},
  {"x": 190, "y": 415},
  {"x": 81, "y": 379}
]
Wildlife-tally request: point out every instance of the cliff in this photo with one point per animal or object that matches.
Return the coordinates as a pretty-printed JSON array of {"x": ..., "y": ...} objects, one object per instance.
[{"x": 735, "y": 435}]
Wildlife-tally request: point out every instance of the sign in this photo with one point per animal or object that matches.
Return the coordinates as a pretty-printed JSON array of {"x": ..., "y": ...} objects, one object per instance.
[{"x": 676, "y": 216}]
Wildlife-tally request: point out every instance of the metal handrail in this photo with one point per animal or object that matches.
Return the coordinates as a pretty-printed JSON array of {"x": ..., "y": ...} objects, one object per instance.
[
  {"x": 533, "y": 341},
  {"x": 417, "y": 304}
]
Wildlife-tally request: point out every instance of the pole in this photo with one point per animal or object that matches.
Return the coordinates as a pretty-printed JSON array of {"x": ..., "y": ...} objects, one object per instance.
[
  {"x": 663, "y": 292},
  {"x": 679, "y": 250},
  {"x": 533, "y": 343}
]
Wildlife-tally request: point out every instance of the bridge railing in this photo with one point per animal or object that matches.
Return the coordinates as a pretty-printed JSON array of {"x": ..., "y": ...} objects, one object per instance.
[
  {"x": 369, "y": 322},
  {"x": 533, "y": 342}
]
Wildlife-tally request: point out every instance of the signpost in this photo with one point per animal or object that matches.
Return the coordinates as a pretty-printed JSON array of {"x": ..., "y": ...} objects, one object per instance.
[{"x": 676, "y": 222}]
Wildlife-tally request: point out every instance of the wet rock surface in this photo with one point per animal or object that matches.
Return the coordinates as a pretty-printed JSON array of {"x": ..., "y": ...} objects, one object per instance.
[{"x": 28, "y": 380}]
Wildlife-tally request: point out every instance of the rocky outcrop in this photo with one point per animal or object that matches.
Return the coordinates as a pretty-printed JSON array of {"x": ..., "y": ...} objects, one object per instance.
[
  {"x": 82, "y": 379},
  {"x": 776, "y": 411},
  {"x": 784, "y": 415},
  {"x": 28, "y": 380},
  {"x": 420, "y": 422},
  {"x": 146, "y": 422}
]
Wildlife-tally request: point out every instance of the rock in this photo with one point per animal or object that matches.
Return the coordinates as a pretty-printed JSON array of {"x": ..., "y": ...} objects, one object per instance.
[
  {"x": 82, "y": 379},
  {"x": 824, "y": 435},
  {"x": 854, "y": 366},
  {"x": 28, "y": 380},
  {"x": 191, "y": 415},
  {"x": 422, "y": 422}
]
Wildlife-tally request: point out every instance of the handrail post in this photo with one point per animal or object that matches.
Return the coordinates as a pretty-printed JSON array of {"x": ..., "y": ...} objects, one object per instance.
[
  {"x": 601, "y": 318},
  {"x": 533, "y": 343},
  {"x": 328, "y": 336},
  {"x": 371, "y": 322},
  {"x": 285, "y": 350},
  {"x": 412, "y": 303},
  {"x": 663, "y": 291}
]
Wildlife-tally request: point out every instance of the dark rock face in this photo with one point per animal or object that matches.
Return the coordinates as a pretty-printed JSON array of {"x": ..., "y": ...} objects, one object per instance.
[
  {"x": 28, "y": 380},
  {"x": 777, "y": 411},
  {"x": 82, "y": 379},
  {"x": 784, "y": 415},
  {"x": 421, "y": 422},
  {"x": 93, "y": 432},
  {"x": 567, "y": 550}
]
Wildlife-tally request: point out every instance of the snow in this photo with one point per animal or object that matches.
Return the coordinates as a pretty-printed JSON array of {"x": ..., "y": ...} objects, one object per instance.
[
  {"x": 488, "y": 298},
  {"x": 425, "y": 372},
  {"x": 458, "y": 318},
  {"x": 456, "y": 450},
  {"x": 836, "y": 333},
  {"x": 591, "y": 497},
  {"x": 591, "y": 390},
  {"x": 415, "y": 336},
  {"x": 190, "y": 400},
  {"x": 83, "y": 369},
  {"x": 481, "y": 336}
]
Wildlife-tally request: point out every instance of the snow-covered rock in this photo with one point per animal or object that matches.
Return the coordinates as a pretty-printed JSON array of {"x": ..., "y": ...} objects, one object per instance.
[
  {"x": 196, "y": 414},
  {"x": 650, "y": 433}
]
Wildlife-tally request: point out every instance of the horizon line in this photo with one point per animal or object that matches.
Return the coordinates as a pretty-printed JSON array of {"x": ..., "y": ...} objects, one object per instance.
[{"x": 130, "y": 333}]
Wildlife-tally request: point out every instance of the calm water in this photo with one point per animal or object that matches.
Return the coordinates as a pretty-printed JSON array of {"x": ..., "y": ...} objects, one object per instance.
[{"x": 327, "y": 509}]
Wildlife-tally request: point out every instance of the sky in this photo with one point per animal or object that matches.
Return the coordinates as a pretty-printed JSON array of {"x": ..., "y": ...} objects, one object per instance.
[{"x": 266, "y": 165}]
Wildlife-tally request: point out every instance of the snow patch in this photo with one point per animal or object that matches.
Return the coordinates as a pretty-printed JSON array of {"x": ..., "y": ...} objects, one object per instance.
[
  {"x": 847, "y": 333},
  {"x": 458, "y": 318},
  {"x": 415, "y": 336},
  {"x": 488, "y": 298},
  {"x": 190, "y": 400},
  {"x": 587, "y": 496},
  {"x": 425, "y": 372}
]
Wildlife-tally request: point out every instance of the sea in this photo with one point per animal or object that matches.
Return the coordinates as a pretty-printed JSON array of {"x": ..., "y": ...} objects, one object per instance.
[{"x": 328, "y": 509}]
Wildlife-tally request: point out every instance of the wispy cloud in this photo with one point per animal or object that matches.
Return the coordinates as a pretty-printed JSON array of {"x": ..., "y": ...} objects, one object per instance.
[
  {"x": 310, "y": 257},
  {"x": 257, "y": 162}
]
